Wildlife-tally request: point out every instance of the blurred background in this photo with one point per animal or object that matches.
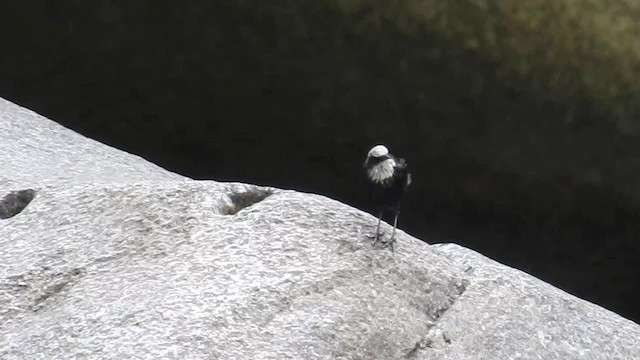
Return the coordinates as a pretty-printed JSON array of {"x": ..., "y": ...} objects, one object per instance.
[{"x": 519, "y": 119}]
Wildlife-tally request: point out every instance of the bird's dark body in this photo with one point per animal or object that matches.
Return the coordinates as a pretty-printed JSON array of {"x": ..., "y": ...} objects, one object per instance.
[{"x": 388, "y": 194}]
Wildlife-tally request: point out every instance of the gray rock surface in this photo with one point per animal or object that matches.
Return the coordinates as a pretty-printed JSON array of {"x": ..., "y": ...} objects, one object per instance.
[
  {"x": 36, "y": 151},
  {"x": 508, "y": 314},
  {"x": 116, "y": 258}
]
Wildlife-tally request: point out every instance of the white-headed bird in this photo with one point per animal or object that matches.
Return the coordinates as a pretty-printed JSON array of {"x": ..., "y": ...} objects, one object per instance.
[{"x": 387, "y": 179}]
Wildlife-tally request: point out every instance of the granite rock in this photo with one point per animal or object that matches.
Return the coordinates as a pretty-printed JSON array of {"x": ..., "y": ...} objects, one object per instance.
[{"x": 114, "y": 257}]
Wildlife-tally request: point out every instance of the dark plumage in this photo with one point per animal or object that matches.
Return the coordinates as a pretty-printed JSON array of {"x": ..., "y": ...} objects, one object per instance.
[{"x": 388, "y": 179}]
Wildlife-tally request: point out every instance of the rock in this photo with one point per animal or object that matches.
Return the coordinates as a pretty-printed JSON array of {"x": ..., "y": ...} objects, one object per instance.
[
  {"x": 512, "y": 133},
  {"x": 508, "y": 314},
  {"x": 116, "y": 258},
  {"x": 37, "y": 151}
]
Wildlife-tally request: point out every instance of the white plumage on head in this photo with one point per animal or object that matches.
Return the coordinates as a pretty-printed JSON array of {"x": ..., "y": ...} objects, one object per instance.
[
  {"x": 383, "y": 170},
  {"x": 377, "y": 151}
]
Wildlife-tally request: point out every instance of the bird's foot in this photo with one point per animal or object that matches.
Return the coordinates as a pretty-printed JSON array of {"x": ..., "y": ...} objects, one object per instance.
[
  {"x": 389, "y": 244},
  {"x": 376, "y": 237}
]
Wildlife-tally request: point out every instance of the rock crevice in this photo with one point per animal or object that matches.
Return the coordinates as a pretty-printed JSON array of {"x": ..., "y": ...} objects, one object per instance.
[{"x": 14, "y": 202}]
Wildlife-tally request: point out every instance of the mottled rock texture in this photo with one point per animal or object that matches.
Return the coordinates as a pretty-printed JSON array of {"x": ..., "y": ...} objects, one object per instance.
[
  {"x": 117, "y": 258},
  {"x": 518, "y": 118}
]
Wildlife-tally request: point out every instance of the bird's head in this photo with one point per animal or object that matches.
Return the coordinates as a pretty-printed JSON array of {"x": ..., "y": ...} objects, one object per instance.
[
  {"x": 379, "y": 164},
  {"x": 378, "y": 151},
  {"x": 376, "y": 155}
]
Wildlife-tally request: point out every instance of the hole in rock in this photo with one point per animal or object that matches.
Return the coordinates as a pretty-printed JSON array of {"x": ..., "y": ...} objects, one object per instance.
[
  {"x": 241, "y": 200},
  {"x": 14, "y": 202}
]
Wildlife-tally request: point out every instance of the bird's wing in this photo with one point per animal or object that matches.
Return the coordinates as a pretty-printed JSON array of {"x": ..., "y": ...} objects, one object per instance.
[
  {"x": 401, "y": 165},
  {"x": 402, "y": 169}
]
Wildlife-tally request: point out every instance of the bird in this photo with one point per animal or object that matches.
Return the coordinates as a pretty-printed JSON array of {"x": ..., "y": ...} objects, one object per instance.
[{"x": 388, "y": 179}]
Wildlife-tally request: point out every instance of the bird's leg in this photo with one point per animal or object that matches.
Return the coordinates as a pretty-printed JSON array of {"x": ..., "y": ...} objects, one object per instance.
[
  {"x": 378, "y": 234},
  {"x": 395, "y": 225},
  {"x": 392, "y": 239}
]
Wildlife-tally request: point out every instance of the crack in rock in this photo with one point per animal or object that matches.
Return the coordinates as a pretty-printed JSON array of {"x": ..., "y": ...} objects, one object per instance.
[
  {"x": 422, "y": 344},
  {"x": 436, "y": 337},
  {"x": 461, "y": 287},
  {"x": 59, "y": 283},
  {"x": 33, "y": 290},
  {"x": 14, "y": 202}
]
